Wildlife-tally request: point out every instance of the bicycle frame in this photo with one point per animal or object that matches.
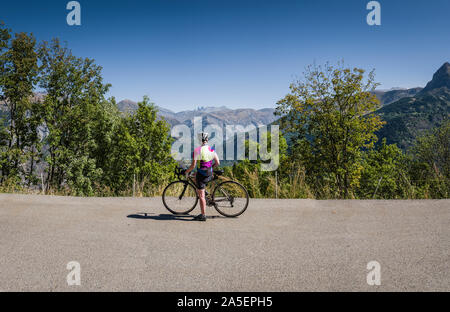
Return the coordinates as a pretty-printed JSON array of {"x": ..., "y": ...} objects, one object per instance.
[
  {"x": 190, "y": 180},
  {"x": 219, "y": 193}
]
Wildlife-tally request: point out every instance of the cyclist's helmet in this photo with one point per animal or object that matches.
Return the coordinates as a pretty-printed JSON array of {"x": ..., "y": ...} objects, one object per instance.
[{"x": 203, "y": 137}]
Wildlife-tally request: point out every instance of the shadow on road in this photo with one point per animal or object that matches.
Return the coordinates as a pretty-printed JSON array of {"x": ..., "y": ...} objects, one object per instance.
[{"x": 165, "y": 217}]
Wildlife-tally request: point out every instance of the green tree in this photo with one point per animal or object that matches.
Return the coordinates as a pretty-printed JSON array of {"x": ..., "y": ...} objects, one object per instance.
[
  {"x": 431, "y": 166},
  {"x": 73, "y": 103},
  {"x": 19, "y": 72},
  {"x": 141, "y": 150},
  {"x": 104, "y": 123},
  {"x": 330, "y": 118},
  {"x": 385, "y": 173},
  {"x": 261, "y": 183},
  {"x": 5, "y": 36}
]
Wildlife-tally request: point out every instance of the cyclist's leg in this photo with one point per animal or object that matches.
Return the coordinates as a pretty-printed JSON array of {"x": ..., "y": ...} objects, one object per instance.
[
  {"x": 202, "y": 181},
  {"x": 201, "y": 196}
]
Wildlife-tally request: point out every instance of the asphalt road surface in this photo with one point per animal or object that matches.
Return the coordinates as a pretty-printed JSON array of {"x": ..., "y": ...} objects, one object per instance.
[{"x": 134, "y": 244}]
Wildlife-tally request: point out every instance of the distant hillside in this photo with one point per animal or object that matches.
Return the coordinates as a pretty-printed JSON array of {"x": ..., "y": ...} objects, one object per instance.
[
  {"x": 127, "y": 106},
  {"x": 390, "y": 96},
  {"x": 410, "y": 117},
  {"x": 210, "y": 115}
]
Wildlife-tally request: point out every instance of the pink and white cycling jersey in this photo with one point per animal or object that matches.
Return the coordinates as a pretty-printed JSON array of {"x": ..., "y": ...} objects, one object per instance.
[{"x": 204, "y": 155}]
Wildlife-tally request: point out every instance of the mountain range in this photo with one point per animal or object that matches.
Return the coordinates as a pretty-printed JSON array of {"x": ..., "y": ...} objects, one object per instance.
[
  {"x": 210, "y": 115},
  {"x": 410, "y": 117},
  {"x": 390, "y": 96},
  {"x": 408, "y": 112}
]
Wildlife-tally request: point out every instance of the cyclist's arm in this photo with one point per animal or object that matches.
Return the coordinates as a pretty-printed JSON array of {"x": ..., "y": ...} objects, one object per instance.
[
  {"x": 194, "y": 162},
  {"x": 216, "y": 161}
]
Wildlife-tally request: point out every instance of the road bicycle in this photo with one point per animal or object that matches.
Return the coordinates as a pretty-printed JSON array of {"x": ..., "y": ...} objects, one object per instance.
[{"x": 229, "y": 198}]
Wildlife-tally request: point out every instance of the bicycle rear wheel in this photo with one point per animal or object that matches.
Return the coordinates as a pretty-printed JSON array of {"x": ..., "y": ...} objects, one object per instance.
[
  {"x": 230, "y": 198},
  {"x": 180, "y": 197}
]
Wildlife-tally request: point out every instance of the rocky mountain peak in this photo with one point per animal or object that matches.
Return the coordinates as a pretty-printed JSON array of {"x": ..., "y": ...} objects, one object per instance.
[{"x": 441, "y": 78}]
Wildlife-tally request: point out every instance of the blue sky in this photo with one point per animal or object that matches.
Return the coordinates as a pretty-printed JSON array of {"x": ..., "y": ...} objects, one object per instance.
[{"x": 242, "y": 54}]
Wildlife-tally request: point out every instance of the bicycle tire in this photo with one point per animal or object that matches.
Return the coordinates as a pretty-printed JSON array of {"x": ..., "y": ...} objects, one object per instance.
[
  {"x": 223, "y": 212},
  {"x": 166, "y": 201}
]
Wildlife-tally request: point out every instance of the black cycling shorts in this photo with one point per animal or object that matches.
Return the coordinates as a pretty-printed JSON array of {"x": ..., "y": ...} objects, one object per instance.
[{"x": 201, "y": 180}]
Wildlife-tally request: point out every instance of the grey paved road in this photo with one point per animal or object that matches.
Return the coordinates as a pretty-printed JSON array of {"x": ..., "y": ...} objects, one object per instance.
[{"x": 133, "y": 244}]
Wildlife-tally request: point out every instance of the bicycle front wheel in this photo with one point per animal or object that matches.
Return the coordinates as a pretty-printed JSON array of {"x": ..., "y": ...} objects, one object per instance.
[
  {"x": 180, "y": 197},
  {"x": 230, "y": 198}
]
